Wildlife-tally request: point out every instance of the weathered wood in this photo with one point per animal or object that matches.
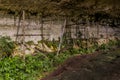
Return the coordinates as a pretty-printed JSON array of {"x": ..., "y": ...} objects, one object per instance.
[
  {"x": 18, "y": 27},
  {"x": 61, "y": 37},
  {"x": 23, "y": 37},
  {"x": 42, "y": 36}
]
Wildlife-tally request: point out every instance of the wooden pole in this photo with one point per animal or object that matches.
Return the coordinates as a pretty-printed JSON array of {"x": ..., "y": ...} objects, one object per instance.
[
  {"x": 51, "y": 25},
  {"x": 61, "y": 37},
  {"x": 97, "y": 25},
  {"x": 18, "y": 27},
  {"x": 87, "y": 33},
  {"x": 107, "y": 31},
  {"x": 42, "y": 28},
  {"x": 14, "y": 20},
  {"x": 23, "y": 31},
  {"x": 42, "y": 36}
]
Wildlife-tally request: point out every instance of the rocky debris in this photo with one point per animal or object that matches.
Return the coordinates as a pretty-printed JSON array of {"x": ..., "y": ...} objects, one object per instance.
[
  {"x": 106, "y": 40},
  {"x": 30, "y": 49},
  {"x": 44, "y": 47},
  {"x": 102, "y": 41}
]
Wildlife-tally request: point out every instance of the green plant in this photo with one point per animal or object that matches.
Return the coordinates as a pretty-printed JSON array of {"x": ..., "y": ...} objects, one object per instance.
[
  {"x": 118, "y": 43},
  {"x": 30, "y": 43},
  {"x": 74, "y": 51},
  {"x": 57, "y": 60},
  {"x": 104, "y": 47},
  {"x": 52, "y": 43},
  {"x": 6, "y": 46},
  {"x": 17, "y": 69},
  {"x": 34, "y": 66}
]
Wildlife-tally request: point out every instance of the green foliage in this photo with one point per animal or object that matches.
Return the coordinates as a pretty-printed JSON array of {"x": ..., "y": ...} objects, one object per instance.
[
  {"x": 61, "y": 58},
  {"x": 30, "y": 43},
  {"x": 16, "y": 69},
  {"x": 103, "y": 47},
  {"x": 109, "y": 45},
  {"x": 87, "y": 50},
  {"x": 74, "y": 51},
  {"x": 34, "y": 67},
  {"x": 112, "y": 43},
  {"x": 31, "y": 69},
  {"x": 52, "y": 43},
  {"x": 118, "y": 43},
  {"x": 6, "y": 46}
]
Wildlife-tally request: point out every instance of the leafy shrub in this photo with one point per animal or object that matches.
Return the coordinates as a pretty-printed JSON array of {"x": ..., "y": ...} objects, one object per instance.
[
  {"x": 15, "y": 68},
  {"x": 112, "y": 43},
  {"x": 34, "y": 67},
  {"x": 30, "y": 43},
  {"x": 118, "y": 43},
  {"x": 60, "y": 58},
  {"x": 6, "y": 46},
  {"x": 18, "y": 69},
  {"x": 104, "y": 47},
  {"x": 52, "y": 43},
  {"x": 74, "y": 51}
]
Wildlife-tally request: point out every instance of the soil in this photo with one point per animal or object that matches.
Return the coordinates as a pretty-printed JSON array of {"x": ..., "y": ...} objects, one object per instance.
[{"x": 96, "y": 66}]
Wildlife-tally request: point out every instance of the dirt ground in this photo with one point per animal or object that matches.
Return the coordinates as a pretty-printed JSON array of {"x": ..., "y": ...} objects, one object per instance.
[{"x": 96, "y": 66}]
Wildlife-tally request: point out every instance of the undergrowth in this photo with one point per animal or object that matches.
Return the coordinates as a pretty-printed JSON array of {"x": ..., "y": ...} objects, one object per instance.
[
  {"x": 32, "y": 68},
  {"x": 6, "y": 47},
  {"x": 35, "y": 66}
]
